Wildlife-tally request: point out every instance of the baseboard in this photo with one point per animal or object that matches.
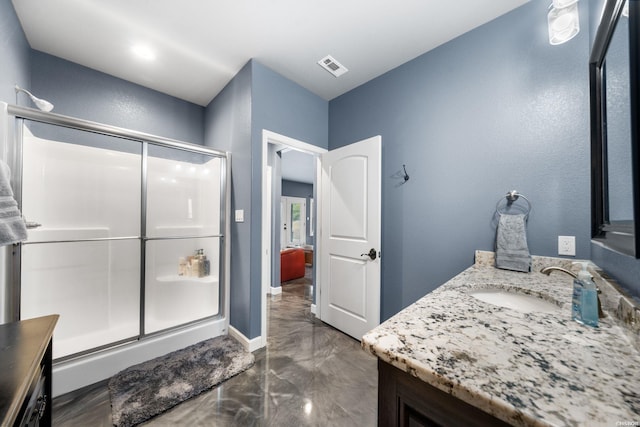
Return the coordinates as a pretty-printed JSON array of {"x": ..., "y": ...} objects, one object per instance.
[
  {"x": 250, "y": 345},
  {"x": 313, "y": 309},
  {"x": 275, "y": 290}
]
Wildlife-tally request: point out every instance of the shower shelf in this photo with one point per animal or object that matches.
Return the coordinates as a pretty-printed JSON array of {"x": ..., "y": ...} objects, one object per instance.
[{"x": 175, "y": 278}]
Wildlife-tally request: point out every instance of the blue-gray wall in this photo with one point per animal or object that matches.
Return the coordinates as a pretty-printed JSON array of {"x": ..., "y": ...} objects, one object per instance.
[
  {"x": 256, "y": 99},
  {"x": 88, "y": 94},
  {"x": 14, "y": 54},
  {"x": 494, "y": 110},
  {"x": 282, "y": 106},
  {"x": 228, "y": 127}
]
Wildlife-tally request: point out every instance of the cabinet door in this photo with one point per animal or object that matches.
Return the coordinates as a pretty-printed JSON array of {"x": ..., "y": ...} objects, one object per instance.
[{"x": 404, "y": 400}]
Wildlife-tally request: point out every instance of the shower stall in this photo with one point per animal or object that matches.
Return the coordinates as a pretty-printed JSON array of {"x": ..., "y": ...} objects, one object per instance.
[{"x": 126, "y": 241}]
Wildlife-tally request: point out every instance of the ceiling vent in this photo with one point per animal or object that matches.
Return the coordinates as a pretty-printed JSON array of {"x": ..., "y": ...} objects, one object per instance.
[{"x": 332, "y": 66}]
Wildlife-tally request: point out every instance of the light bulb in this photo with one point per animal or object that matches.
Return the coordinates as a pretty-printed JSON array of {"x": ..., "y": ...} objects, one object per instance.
[{"x": 564, "y": 23}]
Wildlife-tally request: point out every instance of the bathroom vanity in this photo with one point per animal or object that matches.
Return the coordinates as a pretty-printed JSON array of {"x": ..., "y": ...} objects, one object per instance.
[
  {"x": 452, "y": 358},
  {"x": 25, "y": 376}
]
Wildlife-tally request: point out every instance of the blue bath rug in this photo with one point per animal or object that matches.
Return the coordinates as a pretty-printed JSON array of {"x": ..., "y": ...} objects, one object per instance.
[{"x": 143, "y": 391}]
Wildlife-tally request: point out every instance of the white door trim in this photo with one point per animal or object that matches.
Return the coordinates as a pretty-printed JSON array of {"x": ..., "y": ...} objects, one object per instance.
[{"x": 269, "y": 137}]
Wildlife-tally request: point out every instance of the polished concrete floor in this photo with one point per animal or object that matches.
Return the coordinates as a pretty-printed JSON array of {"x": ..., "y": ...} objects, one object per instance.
[{"x": 309, "y": 375}]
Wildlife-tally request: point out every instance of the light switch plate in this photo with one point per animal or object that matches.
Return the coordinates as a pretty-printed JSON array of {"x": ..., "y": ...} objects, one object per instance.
[
  {"x": 567, "y": 245},
  {"x": 239, "y": 215}
]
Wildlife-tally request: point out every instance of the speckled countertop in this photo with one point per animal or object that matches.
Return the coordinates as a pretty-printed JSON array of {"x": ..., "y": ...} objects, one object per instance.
[{"x": 533, "y": 369}]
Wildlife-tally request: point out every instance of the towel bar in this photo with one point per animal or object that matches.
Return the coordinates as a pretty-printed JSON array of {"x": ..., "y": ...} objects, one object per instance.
[{"x": 511, "y": 197}]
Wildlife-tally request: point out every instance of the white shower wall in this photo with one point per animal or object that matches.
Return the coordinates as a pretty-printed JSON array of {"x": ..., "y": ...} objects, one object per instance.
[
  {"x": 93, "y": 286},
  {"x": 71, "y": 189}
]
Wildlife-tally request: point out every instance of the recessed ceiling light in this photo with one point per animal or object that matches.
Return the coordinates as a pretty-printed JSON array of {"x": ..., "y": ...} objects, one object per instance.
[{"x": 143, "y": 52}]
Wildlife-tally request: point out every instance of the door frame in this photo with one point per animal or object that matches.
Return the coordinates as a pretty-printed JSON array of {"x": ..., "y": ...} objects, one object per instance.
[{"x": 269, "y": 137}]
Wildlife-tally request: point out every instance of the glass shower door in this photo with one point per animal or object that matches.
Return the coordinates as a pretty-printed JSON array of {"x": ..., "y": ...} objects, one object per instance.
[
  {"x": 183, "y": 239},
  {"x": 82, "y": 261}
]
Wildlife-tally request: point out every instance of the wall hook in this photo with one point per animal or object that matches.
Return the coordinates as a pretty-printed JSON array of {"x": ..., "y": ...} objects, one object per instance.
[{"x": 406, "y": 175}]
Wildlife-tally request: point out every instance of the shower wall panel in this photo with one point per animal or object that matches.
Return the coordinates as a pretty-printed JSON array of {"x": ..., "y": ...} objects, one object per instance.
[
  {"x": 71, "y": 188},
  {"x": 183, "y": 193},
  {"x": 175, "y": 297},
  {"x": 183, "y": 225},
  {"x": 83, "y": 195},
  {"x": 94, "y": 287}
]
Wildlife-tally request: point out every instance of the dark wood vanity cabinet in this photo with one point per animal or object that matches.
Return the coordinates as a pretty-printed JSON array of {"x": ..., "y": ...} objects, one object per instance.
[
  {"x": 25, "y": 372},
  {"x": 404, "y": 400}
]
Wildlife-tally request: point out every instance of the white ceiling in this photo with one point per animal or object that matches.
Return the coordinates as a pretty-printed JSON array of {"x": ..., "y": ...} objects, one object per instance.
[{"x": 200, "y": 45}]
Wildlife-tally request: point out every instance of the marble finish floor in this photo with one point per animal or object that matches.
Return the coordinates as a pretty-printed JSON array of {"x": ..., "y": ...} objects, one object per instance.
[{"x": 309, "y": 375}]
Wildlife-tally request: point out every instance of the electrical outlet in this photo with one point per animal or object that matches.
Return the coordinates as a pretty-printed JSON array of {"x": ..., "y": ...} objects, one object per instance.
[{"x": 567, "y": 245}]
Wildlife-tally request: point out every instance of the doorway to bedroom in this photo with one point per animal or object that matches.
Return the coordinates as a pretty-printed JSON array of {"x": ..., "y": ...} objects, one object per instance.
[
  {"x": 297, "y": 237},
  {"x": 289, "y": 214}
]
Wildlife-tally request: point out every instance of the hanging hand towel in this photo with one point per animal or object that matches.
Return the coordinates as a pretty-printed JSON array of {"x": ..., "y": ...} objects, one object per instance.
[
  {"x": 12, "y": 228},
  {"x": 512, "y": 252}
]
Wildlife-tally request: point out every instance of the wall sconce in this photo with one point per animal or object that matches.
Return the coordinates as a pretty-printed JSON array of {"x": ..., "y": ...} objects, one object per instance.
[
  {"x": 625, "y": 9},
  {"x": 563, "y": 20}
]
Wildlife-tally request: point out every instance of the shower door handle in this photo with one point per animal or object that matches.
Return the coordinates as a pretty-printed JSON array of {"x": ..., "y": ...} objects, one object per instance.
[{"x": 31, "y": 224}]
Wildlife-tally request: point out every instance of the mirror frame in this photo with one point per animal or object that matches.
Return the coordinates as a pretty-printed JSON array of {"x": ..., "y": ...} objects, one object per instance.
[{"x": 601, "y": 231}]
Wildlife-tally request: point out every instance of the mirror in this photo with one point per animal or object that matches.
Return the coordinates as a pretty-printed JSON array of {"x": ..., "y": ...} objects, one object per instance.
[{"x": 614, "y": 129}]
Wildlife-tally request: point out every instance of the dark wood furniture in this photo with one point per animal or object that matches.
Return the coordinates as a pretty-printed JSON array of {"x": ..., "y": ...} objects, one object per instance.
[
  {"x": 308, "y": 257},
  {"x": 404, "y": 400},
  {"x": 25, "y": 373}
]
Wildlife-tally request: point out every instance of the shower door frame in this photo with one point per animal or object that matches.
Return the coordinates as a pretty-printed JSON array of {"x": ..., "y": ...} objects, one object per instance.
[{"x": 14, "y": 148}]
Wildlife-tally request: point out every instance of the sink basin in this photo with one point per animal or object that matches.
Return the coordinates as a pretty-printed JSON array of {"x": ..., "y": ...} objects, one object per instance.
[{"x": 516, "y": 301}]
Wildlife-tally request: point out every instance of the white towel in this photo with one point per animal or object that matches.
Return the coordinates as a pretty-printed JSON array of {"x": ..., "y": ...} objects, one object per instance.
[
  {"x": 12, "y": 228},
  {"x": 512, "y": 252}
]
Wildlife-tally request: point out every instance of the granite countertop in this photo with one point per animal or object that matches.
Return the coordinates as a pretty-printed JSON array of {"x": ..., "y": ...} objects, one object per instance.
[{"x": 533, "y": 369}]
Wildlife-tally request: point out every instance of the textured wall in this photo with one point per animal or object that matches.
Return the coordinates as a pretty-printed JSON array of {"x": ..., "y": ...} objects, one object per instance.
[
  {"x": 228, "y": 127},
  {"x": 284, "y": 107},
  {"x": 14, "y": 54},
  {"x": 88, "y": 94},
  {"x": 257, "y": 98},
  {"x": 493, "y": 110}
]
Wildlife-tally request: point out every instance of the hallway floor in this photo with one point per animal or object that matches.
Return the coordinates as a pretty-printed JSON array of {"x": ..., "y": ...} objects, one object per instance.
[{"x": 309, "y": 375}]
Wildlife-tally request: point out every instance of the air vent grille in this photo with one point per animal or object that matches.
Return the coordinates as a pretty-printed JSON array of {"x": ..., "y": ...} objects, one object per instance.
[{"x": 332, "y": 66}]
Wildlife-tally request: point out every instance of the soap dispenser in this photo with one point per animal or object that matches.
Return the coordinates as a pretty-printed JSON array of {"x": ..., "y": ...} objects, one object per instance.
[{"x": 584, "y": 307}]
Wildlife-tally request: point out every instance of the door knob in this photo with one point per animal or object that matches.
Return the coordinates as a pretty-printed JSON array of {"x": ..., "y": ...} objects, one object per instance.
[{"x": 372, "y": 254}]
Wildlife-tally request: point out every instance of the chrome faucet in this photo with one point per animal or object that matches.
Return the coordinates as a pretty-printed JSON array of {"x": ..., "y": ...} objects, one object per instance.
[{"x": 548, "y": 270}]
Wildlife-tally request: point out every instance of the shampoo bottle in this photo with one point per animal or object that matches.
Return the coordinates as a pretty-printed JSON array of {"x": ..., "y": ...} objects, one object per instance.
[{"x": 588, "y": 305}]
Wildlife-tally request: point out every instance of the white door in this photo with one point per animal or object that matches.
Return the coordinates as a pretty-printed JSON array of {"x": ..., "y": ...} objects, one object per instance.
[
  {"x": 294, "y": 225},
  {"x": 350, "y": 236}
]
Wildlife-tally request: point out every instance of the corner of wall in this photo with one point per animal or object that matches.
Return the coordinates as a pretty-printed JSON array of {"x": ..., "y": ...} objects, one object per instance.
[{"x": 250, "y": 345}]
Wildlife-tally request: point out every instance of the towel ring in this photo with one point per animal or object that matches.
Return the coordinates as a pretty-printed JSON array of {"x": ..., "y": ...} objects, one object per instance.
[{"x": 511, "y": 197}]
